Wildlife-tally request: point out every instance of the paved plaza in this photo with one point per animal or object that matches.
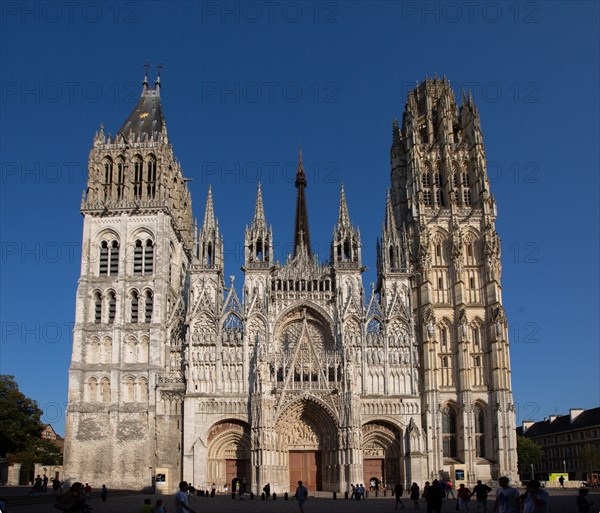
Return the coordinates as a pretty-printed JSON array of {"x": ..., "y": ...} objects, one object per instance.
[{"x": 562, "y": 501}]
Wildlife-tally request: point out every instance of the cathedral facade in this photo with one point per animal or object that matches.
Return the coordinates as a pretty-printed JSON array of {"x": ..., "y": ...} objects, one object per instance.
[{"x": 307, "y": 376}]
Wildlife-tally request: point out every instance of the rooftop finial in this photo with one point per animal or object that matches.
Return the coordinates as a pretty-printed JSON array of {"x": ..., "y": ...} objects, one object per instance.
[
  {"x": 146, "y": 65},
  {"x": 159, "y": 67}
]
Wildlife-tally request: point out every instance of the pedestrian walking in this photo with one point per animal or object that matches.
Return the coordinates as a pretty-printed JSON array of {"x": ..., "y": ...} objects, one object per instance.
[
  {"x": 398, "y": 491},
  {"x": 301, "y": 495},
  {"x": 481, "y": 493},
  {"x": 464, "y": 497},
  {"x": 103, "y": 493},
  {"x": 507, "y": 498},
  {"x": 182, "y": 500},
  {"x": 414, "y": 494}
]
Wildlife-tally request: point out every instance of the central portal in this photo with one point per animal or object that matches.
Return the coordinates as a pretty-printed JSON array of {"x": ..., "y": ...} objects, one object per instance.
[{"x": 305, "y": 466}]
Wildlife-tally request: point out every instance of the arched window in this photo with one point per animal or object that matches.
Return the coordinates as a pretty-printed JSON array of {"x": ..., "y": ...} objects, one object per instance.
[
  {"x": 97, "y": 307},
  {"x": 148, "y": 305},
  {"x": 479, "y": 431},
  {"x": 114, "y": 258},
  {"x": 143, "y": 257},
  {"x": 449, "y": 433},
  {"x": 134, "y": 306},
  {"x": 103, "y": 271},
  {"x": 105, "y": 383},
  {"x": 120, "y": 179},
  {"x": 475, "y": 335},
  {"x": 444, "y": 337},
  {"x": 143, "y": 390},
  {"x": 108, "y": 178},
  {"x": 138, "y": 166},
  {"x": 93, "y": 389},
  {"x": 129, "y": 389},
  {"x": 138, "y": 255},
  {"x": 149, "y": 257},
  {"x": 151, "y": 179},
  {"x": 112, "y": 307}
]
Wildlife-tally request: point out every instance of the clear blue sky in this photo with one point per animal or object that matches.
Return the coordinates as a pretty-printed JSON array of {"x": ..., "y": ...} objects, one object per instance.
[{"x": 244, "y": 85}]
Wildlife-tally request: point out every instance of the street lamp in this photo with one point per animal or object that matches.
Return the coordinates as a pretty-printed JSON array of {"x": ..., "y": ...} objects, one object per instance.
[
  {"x": 564, "y": 467},
  {"x": 532, "y": 475}
]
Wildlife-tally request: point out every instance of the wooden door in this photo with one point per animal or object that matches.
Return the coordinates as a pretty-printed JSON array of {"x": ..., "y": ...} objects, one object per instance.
[
  {"x": 305, "y": 466},
  {"x": 235, "y": 469},
  {"x": 373, "y": 468}
]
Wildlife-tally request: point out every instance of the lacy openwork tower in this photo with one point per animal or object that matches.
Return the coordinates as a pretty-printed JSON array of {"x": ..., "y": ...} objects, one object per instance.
[{"x": 173, "y": 376}]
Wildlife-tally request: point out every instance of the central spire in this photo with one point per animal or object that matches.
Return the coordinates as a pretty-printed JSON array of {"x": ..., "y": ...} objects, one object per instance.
[{"x": 301, "y": 233}]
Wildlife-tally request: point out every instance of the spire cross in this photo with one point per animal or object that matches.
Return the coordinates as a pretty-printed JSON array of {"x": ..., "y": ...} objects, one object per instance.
[{"x": 159, "y": 67}]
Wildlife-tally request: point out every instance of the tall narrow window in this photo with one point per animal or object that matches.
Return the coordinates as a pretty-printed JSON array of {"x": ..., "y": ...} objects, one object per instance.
[
  {"x": 427, "y": 198},
  {"x": 137, "y": 179},
  {"x": 105, "y": 390},
  {"x": 449, "y": 433},
  {"x": 120, "y": 179},
  {"x": 148, "y": 307},
  {"x": 108, "y": 178},
  {"x": 114, "y": 258},
  {"x": 112, "y": 306},
  {"x": 151, "y": 179},
  {"x": 93, "y": 389},
  {"x": 135, "y": 303},
  {"x": 97, "y": 307},
  {"x": 479, "y": 432},
  {"x": 439, "y": 197},
  {"x": 138, "y": 255},
  {"x": 149, "y": 257},
  {"x": 103, "y": 271},
  {"x": 467, "y": 197}
]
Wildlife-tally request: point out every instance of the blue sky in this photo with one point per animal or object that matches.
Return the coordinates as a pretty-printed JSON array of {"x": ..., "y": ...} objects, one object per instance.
[{"x": 245, "y": 85}]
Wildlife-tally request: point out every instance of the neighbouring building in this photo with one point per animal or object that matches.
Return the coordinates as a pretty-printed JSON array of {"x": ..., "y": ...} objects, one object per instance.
[
  {"x": 562, "y": 438},
  {"x": 305, "y": 374}
]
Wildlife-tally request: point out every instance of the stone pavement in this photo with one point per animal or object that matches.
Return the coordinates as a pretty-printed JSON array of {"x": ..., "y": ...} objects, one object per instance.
[{"x": 562, "y": 501}]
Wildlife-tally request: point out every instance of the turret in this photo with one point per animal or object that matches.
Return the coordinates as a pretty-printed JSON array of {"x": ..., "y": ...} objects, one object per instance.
[
  {"x": 345, "y": 247},
  {"x": 258, "y": 239},
  {"x": 209, "y": 249}
]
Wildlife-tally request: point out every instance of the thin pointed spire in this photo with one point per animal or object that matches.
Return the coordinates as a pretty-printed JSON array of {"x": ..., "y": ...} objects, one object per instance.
[
  {"x": 209, "y": 212},
  {"x": 259, "y": 209},
  {"x": 390, "y": 218},
  {"x": 301, "y": 231},
  {"x": 343, "y": 216}
]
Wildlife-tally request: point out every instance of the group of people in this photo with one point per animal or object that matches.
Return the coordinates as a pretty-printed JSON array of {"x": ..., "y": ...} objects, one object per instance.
[
  {"x": 357, "y": 492},
  {"x": 508, "y": 499}
]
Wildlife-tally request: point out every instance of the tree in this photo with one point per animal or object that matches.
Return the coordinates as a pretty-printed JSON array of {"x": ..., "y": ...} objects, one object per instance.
[
  {"x": 528, "y": 453},
  {"x": 21, "y": 428},
  {"x": 589, "y": 456}
]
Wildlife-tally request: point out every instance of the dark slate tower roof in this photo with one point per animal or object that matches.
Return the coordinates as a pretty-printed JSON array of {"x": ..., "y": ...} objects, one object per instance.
[
  {"x": 147, "y": 116},
  {"x": 301, "y": 233}
]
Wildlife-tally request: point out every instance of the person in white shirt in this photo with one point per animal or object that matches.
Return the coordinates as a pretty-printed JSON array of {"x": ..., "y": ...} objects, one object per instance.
[
  {"x": 535, "y": 500},
  {"x": 507, "y": 498},
  {"x": 182, "y": 500}
]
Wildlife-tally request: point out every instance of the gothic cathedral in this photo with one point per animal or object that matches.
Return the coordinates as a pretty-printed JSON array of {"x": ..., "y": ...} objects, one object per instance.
[{"x": 308, "y": 376}]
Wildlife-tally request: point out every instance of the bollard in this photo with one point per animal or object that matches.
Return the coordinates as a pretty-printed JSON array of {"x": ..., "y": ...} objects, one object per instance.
[
  {"x": 262, "y": 496},
  {"x": 251, "y": 496},
  {"x": 274, "y": 496},
  {"x": 285, "y": 496},
  {"x": 345, "y": 495},
  {"x": 334, "y": 495},
  {"x": 376, "y": 493},
  {"x": 233, "y": 495}
]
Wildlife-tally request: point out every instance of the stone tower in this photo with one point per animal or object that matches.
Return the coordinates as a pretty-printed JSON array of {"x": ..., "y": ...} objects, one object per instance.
[
  {"x": 444, "y": 210},
  {"x": 125, "y": 381}
]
